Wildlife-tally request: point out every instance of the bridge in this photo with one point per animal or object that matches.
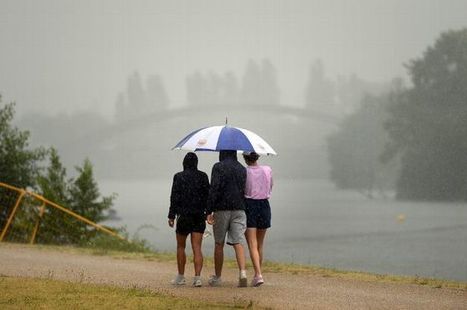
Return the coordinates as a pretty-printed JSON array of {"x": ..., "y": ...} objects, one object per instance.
[{"x": 305, "y": 114}]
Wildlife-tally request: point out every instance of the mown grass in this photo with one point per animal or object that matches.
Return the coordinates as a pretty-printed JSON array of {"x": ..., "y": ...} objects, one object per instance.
[{"x": 28, "y": 293}]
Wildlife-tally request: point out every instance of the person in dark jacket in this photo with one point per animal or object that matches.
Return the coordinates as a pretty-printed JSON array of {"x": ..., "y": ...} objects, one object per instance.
[
  {"x": 226, "y": 212},
  {"x": 190, "y": 190}
]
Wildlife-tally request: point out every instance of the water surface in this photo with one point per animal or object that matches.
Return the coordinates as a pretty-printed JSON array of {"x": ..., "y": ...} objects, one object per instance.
[{"x": 313, "y": 223}]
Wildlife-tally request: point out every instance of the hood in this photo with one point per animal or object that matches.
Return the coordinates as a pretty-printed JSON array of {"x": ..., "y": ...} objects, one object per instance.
[
  {"x": 223, "y": 155},
  {"x": 190, "y": 161}
]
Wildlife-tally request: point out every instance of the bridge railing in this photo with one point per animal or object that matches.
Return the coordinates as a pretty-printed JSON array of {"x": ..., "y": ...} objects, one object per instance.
[{"x": 27, "y": 217}]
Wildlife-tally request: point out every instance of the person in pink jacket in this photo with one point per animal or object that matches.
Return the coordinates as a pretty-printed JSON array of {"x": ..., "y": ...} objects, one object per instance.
[{"x": 258, "y": 211}]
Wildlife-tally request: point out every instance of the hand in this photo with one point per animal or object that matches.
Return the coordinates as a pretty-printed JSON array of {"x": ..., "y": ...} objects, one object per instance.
[
  {"x": 171, "y": 222},
  {"x": 210, "y": 219}
]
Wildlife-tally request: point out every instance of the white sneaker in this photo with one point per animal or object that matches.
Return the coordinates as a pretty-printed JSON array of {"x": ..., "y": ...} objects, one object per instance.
[
  {"x": 197, "y": 282},
  {"x": 215, "y": 281},
  {"x": 242, "y": 281},
  {"x": 257, "y": 281},
  {"x": 179, "y": 280}
]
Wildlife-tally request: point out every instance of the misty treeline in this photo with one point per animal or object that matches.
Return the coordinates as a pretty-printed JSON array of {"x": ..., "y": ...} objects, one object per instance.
[
  {"x": 39, "y": 169},
  {"x": 258, "y": 86},
  {"x": 414, "y": 135}
]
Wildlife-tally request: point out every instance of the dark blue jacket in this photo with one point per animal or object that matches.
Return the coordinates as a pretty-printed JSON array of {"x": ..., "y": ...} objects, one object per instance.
[{"x": 228, "y": 180}]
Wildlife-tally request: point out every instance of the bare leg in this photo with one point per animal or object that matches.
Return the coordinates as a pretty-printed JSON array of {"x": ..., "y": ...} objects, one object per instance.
[
  {"x": 196, "y": 239},
  {"x": 218, "y": 258},
  {"x": 240, "y": 254},
  {"x": 260, "y": 235},
  {"x": 181, "y": 256},
  {"x": 253, "y": 248}
]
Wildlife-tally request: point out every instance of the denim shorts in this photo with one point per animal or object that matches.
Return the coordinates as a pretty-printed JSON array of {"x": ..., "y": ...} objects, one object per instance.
[
  {"x": 231, "y": 223},
  {"x": 258, "y": 213}
]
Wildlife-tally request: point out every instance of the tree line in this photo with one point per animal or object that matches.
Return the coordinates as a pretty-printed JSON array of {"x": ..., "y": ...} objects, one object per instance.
[
  {"x": 258, "y": 86},
  {"x": 417, "y": 133}
]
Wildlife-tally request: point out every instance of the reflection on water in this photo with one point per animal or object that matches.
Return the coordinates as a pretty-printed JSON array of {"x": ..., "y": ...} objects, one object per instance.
[{"x": 315, "y": 224}]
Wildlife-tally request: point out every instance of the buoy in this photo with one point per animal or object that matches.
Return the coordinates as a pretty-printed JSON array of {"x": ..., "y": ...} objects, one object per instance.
[{"x": 401, "y": 218}]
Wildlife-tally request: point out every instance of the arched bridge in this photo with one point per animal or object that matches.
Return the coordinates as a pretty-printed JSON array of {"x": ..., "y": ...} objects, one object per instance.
[{"x": 305, "y": 114}]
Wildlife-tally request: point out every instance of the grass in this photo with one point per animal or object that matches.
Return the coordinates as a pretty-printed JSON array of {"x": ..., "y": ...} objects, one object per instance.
[
  {"x": 28, "y": 293},
  {"x": 361, "y": 276}
]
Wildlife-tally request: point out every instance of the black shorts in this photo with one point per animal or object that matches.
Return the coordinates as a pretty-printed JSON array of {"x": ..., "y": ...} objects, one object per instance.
[
  {"x": 186, "y": 224},
  {"x": 258, "y": 213}
]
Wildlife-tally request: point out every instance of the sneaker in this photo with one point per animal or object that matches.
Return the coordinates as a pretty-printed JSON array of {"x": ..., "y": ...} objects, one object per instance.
[
  {"x": 242, "y": 282},
  {"x": 197, "y": 282},
  {"x": 215, "y": 281},
  {"x": 257, "y": 281},
  {"x": 179, "y": 280}
]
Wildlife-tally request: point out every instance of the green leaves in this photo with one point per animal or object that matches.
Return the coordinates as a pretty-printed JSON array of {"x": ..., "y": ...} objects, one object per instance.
[
  {"x": 18, "y": 163},
  {"x": 428, "y": 123},
  {"x": 80, "y": 195}
]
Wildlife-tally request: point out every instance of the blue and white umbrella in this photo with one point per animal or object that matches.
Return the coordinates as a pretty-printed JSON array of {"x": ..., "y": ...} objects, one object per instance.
[{"x": 221, "y": 138}]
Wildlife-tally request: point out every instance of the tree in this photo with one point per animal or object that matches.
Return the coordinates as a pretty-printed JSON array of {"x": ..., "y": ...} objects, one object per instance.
[
  {"x": 428, "y": 123},
  {"x": 251, "y": 84},
  {"x": 54, "y": 186},
  {"x": 19, "y": 165},
  {"x": 259, "y": 85},
  {"x": 355, "y": 149},
  {"x": 80, "y": 195},
  {"x": 320, "y": 90},
  {"x": 85, "y": 200},
  {"x": 269, "y": 91},
  {"x": 156, "y": 95},
  {"x": 135, "y": 92}
]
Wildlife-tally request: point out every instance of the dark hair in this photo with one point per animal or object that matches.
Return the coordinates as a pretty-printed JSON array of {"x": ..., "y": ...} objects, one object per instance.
[
  {"x": 224, "y": 154},
  {"x": 190, "y": 161},
  {"x": 250, "y": 158}
]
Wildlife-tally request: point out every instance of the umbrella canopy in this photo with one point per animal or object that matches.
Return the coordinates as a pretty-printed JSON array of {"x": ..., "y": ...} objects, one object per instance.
[{"x": 222, "y": 138}]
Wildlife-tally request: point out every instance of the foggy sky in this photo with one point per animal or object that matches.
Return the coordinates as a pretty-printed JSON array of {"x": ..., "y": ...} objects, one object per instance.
[{"x": 66, "y": 56}]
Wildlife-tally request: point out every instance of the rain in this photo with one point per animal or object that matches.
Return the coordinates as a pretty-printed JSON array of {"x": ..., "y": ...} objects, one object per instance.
[{"x": 332, "y": 86}]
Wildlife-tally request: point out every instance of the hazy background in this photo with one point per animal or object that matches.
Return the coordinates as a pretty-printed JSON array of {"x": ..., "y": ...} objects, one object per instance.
[
  {"x": 79, "y": 72},
  {"x": 65, "y": 56}
]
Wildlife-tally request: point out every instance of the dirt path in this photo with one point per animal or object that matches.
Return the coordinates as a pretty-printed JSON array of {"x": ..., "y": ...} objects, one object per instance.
[{"x": 281, "y": 291}]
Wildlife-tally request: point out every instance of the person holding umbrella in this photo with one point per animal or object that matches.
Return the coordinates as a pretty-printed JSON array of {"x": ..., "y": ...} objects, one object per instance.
[
  {"x": 226, "y": 212},
  {"x": 188, "y": 199}
]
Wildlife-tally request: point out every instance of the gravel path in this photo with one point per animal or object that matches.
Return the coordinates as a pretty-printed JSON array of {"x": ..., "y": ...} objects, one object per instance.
[{"x": 281, "y": 291}]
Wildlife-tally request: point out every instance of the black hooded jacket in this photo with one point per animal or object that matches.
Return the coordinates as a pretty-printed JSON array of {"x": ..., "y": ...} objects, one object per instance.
[
  {"x": 228, "y": 180},
  {"x": 190, "y": 189}
]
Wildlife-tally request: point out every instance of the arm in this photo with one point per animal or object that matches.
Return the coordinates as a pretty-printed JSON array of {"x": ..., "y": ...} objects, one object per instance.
[
  {"x": 214, "y": 190},
  {"x": 205, "y": 192},
  {"x": 174, "y": 197},
  {"x": 272, "y": 179}
]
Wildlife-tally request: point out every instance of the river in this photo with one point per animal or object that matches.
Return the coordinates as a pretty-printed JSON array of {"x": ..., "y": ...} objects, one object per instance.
[{"x": 313, "y": 223}]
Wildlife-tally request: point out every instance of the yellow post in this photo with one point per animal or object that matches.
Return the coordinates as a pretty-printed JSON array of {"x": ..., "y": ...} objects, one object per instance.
[
  {"x": 41, "y": 213},
  {"x": 12, "y": 215},
  {"x": 50, "y": 203},
  {"x": 79, "y": 217}
]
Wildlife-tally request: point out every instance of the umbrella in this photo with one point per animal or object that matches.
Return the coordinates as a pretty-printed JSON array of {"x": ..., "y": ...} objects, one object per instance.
[{"x": 222, "y": 138}]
